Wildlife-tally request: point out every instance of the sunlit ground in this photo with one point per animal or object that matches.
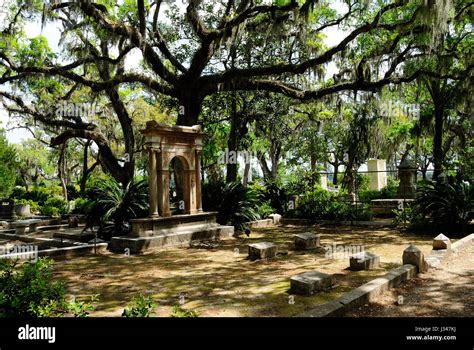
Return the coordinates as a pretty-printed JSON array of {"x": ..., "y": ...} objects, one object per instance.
[{"x": 222, "y": 282}]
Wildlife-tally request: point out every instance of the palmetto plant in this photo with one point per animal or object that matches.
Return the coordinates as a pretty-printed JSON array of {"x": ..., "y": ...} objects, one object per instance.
[
  {"x": 115, "y": 204},
  {"x": 449, "y": 203},
  {"x": 234, "y": 203}
]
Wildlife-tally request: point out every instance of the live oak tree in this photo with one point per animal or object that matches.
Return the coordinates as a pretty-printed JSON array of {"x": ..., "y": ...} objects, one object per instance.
[{"x": 180, "y": 56}]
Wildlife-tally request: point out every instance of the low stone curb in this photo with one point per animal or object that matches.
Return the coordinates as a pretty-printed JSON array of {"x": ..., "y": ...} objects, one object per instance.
[
  {"x": 376, "y": 223},
  {"x": 259, "y": 223},
  {"x": 462, "y": 242},
  {"x": 363, "y": 294}
]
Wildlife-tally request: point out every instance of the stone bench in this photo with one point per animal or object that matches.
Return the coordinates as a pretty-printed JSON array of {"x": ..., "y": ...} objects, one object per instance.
[
  {"x": 306, "y": 240},
  {"x": 21, "y": 225},
  {"x": 262, "y": 250},
  {"x": 364, "y": 261},
  {"x": 308, "y": 283}
]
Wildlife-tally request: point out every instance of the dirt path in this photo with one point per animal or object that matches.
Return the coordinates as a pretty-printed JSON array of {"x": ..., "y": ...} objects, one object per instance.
[{"x": 445, "y": 291}]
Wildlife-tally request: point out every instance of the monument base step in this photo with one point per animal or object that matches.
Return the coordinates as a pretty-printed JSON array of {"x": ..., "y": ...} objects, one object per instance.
[{"x": 135, "y": 245}]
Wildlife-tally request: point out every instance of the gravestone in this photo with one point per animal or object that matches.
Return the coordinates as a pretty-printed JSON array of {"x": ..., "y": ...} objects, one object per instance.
[
  {"x": 308, "y": 283},
  {"x": 441, "y": 242},
  {"x": 364, "y": 261},
  {"x": 6, "y": 209},
  {"x": 324, "y": 181},
  {"x": 73, "y": 221},
  {"x": 306, "y": 240},
  {"x": 262, "y": 250},
  {"x": 412, "y": 255},
  {"x": 406, "y": 173},
  {"x": 377, "y": 173}
]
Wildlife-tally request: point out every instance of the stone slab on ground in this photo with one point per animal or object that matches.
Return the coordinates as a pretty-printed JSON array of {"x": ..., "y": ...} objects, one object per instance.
[
  {"x": 364, "y": 261},
  {"x": 308, "y": 283},
  {"x": 262, "y": 250},
  {"x": 136, "y": 245},
  {"x": 363, "y": 294},
  {"x": 307, "y": 240}
]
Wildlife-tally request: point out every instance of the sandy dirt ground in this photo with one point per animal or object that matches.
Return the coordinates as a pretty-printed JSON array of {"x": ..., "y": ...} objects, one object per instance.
[{"x": 445, "y": 291}]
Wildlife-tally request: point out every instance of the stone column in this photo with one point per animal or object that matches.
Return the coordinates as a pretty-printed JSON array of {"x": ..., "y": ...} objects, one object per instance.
[
  {"x": 153, "y": 182},
  {"x": 324, "y": 181},
  {"x": 163, "y": 187},
  {"x": 377, "y": 173},
  {"x": 197, "y": 167}
]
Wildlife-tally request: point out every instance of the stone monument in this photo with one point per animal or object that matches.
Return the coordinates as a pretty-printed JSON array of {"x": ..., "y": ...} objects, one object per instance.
[
  {"x": 406, "y": 173},
  {"x": 163, "y": 144},
  {"x": 405, "y": 192},
  {"x": 377, "y": 173}
]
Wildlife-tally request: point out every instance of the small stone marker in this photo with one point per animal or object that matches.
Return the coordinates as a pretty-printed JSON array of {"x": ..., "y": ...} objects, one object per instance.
[
  {"x": 262, "y": 250},
  {"x": 308, "y": 283},
  {"x": 364, "y": 261},
  {"x": 306, "y": 240},
  {"x": 73, "y": 221},
  {"x": 441, "y": 242},
  {"x": 412, "y": 255},
  {"x": 276, "y": 218}
]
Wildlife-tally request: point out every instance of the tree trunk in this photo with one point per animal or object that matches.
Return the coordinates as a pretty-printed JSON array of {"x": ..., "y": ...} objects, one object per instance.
[
  {"x": 62, "y": 171},
  {"x": 438, "y": 140},
  {"x": 313, "y": 169},
  {"x": 189, "y": 107},
  {"x": 336, "y": 172},
  {"x": 232, "y": 142},
  {"x": 246, "y": 174}
]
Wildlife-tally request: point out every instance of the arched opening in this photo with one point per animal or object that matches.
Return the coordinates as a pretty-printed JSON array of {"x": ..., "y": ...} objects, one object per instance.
[{"x": 178, "y": 186}]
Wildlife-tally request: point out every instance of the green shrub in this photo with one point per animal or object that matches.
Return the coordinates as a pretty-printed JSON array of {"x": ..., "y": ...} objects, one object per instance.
[
  {"x": 234, "y": 203},
  {"x": 82, "y": 206},
  {"x": 115, "y": 204},
  {"x": 448, "y": 204},
  {"x": 265, "y": 209},
  {"x": 179, "y": 312},
  {"x": 54, "y": 206},
  {"x": 407, "y": 215},
  {"x": 57, "y": 308},
  {"x": 324, "y": 205},
  {"x": 34, "y": 206},
  {"x": 388, "y": 192},
  {"x": 141, "y": 306},
  {"x": 29, "y": 290},
  {"x": 82, "y": 308}
]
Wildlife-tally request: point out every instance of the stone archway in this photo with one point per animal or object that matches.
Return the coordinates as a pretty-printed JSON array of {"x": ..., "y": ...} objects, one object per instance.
[{"x": 164, "y": 143}]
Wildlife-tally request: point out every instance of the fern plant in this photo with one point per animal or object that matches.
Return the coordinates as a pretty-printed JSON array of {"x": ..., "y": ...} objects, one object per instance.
[
  {"x": 234, "y": 203},
  {"x": 115, "y": 204},
  {"x": 449, "y": 204}
]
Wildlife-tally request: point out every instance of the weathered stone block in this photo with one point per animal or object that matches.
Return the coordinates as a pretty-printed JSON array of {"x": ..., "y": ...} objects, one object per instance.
[
  {"x": 441, "y": 242},
  {"x": 412, "y": 255},
  {"x": 308, "y": 283},
  {"x": 364, "y": 261},
  {"x": 307, "y": 240},
  {"x": 73, "y": 221},
  {"x": 276, "y": 218},
  {"x": 262, "y": 250}
]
